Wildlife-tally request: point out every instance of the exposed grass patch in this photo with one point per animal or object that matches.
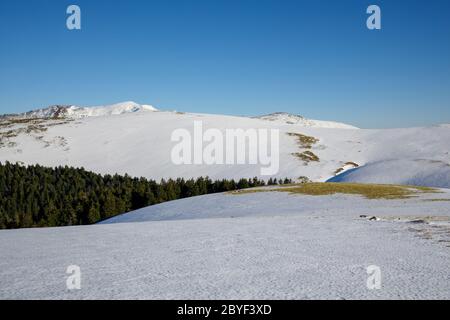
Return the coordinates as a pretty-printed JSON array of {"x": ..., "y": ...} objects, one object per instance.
[
  {"x": 29, "y": 126},
  {"x": 9, "y": 134},
  {"x": 436, "y": 200},
  {"x": 369, "y": 191},
  {"x": 58, "y": 121},
  {"x": 21, "y": 120},
  {"x": 4, "y": 124},
  {"x": 306, "y": 157},
  {"x": 303, "y": 140},
  {"x": 35, "y": 129}
]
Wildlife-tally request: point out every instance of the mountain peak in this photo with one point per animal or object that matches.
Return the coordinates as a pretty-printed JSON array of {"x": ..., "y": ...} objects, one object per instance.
[
  {"x": 286, "y": 116},
  {"x": 289, "y": 118},
  {"x": 72, "y": 111}
]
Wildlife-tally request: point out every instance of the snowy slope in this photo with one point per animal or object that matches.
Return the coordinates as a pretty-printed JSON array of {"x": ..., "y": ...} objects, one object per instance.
[
  {"x": 270, "y": 245},
  {"x": 287, "y": 118},
  {"x": 422, "y": 172},
  {"x": 139, "y": 143}
]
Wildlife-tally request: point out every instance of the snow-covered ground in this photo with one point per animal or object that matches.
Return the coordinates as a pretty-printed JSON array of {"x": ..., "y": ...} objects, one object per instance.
[
  {"x": 425, "y": 172},
  {"x": 246, "y": 246},
  {"x": 135, "y": 139}
]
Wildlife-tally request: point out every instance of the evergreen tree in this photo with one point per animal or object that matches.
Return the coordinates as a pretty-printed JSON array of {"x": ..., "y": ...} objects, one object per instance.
[{"x": 36, "y": 196}]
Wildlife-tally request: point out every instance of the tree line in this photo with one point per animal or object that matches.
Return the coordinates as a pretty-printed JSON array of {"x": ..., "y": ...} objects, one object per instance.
[{"x": 37, "y": 196}]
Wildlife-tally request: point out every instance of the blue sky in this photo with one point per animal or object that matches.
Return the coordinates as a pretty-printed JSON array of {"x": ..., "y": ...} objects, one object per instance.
[{"x": 246, "y": 57}]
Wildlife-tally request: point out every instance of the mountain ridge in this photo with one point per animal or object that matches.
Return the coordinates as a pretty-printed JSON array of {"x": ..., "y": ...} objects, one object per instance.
[
  {"x": 75, "y": 112},
  {"x": 290, "y": 119},
  {"x": 139, "y": 144}
]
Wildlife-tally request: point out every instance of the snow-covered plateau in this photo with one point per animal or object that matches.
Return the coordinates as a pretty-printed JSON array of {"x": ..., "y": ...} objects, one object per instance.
[{"x": 256, "y": 245}]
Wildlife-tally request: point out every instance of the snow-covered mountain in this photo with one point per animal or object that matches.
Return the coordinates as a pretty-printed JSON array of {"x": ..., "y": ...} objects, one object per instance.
[
  {"x": 262, "y": 244},
  {"x": 131, "y": 138},
  {"x": 75, "y": 112}
]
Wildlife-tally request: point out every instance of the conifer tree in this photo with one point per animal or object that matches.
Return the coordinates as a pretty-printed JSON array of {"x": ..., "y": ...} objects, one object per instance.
[{"x": 36, "y": 196}]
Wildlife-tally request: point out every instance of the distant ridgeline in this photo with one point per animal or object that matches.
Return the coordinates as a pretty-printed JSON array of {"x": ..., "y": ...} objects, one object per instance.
[{"x": 36, "y": 196}]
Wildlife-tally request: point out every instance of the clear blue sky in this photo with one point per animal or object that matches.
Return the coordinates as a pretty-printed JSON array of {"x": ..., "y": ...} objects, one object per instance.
[{"x": 246, "y": 57}]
